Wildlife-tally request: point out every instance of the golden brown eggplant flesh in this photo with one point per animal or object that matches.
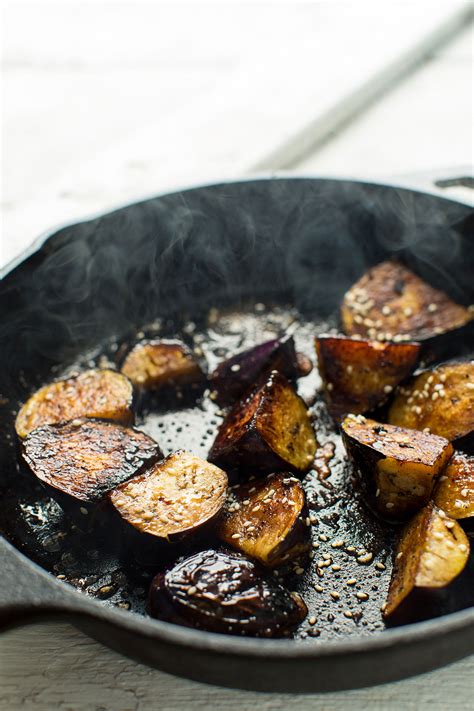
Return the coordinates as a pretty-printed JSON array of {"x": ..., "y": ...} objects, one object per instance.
[
  {"x": 390, "y": 302},
  {"x": 269, "y": 430},
  {"x": 103, "y": 394},
  {"x": 224, "y": 592},
  {"x": 440, "y": 400},
  {"x": 454, "y": 492},
  {"x": 267, "y": 519},
  {"x": 359, "y": 375},
  {"x": 83, "y": 460},
  {"x": 151, "y": 365},
  {"x": 432, "y": 551},
  {"x": 398, "y": 466},
  {"x": 172, "y": 499},
  {"x": 235, "y": 375}
]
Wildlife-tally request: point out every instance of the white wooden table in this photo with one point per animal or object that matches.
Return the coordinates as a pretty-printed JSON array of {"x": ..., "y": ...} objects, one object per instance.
[{"x": 101, "y": 109}]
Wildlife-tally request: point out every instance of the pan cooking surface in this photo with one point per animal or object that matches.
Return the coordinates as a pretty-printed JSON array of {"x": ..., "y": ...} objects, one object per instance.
[
  {"x": 304, "y": 242},
  {"x": 343, "y": 594}
]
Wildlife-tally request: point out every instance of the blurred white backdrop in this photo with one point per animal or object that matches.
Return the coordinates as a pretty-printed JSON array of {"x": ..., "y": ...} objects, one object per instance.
[{"x": 105, "y": 102}]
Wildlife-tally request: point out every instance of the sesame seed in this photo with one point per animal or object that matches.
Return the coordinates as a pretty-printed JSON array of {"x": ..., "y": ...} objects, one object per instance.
[
  {"x": 299, "y": 571},
  {"x": 386, "y": 310},
  {"x": 235, "y": 536},
  {"x": 388, "y": 389},
  {"x": 319, "y": 588},
  {"x": 351, "y": 581},
  {"x": 329, "y": 387},
  {"x": 399, "y": 555},
  {"x": 408, "y": 311},
  {"x": 349, "y": 369},
  {"x": 323, "y": 537},
  {"x": 337, "y": 544},
  {"x": 192, "y": 590},
  {"x": 335, "y": 595},
  {"x": 462, "y": 547},
  {"x": 432, "y": 308},
  {"x": 347, "y": 613},
  {"x": 449, "y": 524},
  {"x": 326, "y": 556},
  {"x": 83, "y": 510},
  {"x": 389, "y": 505},
  {"x": 315, "y": 544},
  {"x": 235, "y": 368},
  {"x": 363, "y": 559},
  {"x": 312, "y": 620},
  {"x": 464, "y": 492},
  {"x": 380, "y": 566},
  {"x": 470, "y": 386},
  {"x": 335, "y": 567},
  {"x": 362, "y": 596}
]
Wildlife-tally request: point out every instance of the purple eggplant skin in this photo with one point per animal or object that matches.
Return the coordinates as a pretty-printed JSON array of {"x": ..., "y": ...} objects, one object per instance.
[
  {"x": 238, "y": 373},
  {"x": 222, "y": 591}
]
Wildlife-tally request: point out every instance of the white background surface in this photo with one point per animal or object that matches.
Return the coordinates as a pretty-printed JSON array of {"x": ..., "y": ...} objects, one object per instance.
[{"x": 107, "y": 102}]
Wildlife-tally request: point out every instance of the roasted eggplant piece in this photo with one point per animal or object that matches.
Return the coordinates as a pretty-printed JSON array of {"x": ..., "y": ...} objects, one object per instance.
[
  {"x": 454, "y": 492},
  {"x": 433, "y": 550},
  {"x": 269, "y": 430},
  {"x": 238, "y": 373},
  {"x": 390, "y": 302},
  {"x": 225, "y": 592},
  {"x": 441, "y": 400},
  {"x": 82, "y": 460},
  {"x": 151, "y": 365},
  {"x": 266, "y": 520},
  {"x": 172, "y": 499},
  {"x": 398, "y": 466},
  {"x": 95, "y": 393},
  {"x": 359, "y": 375}
]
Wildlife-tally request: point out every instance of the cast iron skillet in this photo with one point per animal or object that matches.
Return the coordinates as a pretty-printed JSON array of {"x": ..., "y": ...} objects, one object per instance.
[{"x": 168, "y": 260}]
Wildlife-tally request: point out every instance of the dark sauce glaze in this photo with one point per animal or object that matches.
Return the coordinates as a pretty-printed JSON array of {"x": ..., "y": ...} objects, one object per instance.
[{"x": 349, "y": 543}]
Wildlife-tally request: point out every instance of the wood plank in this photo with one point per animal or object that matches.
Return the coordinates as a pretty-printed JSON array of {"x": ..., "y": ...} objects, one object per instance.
[{"x": 56, "y": 667}]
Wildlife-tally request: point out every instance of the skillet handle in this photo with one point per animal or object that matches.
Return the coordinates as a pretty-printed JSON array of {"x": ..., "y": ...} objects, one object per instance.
[{"x": 27, "y": 592}]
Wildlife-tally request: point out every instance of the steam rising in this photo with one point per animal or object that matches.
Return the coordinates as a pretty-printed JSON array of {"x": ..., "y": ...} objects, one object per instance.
[{"x": 174, "y": 257}]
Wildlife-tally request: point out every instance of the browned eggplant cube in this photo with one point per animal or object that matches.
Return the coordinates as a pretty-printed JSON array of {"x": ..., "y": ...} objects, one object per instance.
[
  {"x": 433, "y": 550},
  {"x": 172, "y": 499},
  {"x": 360, "y": 375},
  {"x": 222, "y": 591},
  {"x": 95, "y": 393},
  {"x": 441, "y": 400},
  {"x": 269, "y": 430},
  {"x": 235, "y": 375},
  {"x": 151, "y": 365},
  {"x": 390, "y": 302},
  {"x": 398, "y": 466},
  {"x": 82, "y": 460},
  {"x": 454, "y": 492},
  {"x": 266, "y": 520}
]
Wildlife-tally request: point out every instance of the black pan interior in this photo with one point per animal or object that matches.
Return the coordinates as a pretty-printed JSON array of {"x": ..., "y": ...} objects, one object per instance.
[{"x": 220, "y": 267}]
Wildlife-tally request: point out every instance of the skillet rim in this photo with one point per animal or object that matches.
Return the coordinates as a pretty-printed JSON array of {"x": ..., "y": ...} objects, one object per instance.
[{"x": 74, "y": 604}]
